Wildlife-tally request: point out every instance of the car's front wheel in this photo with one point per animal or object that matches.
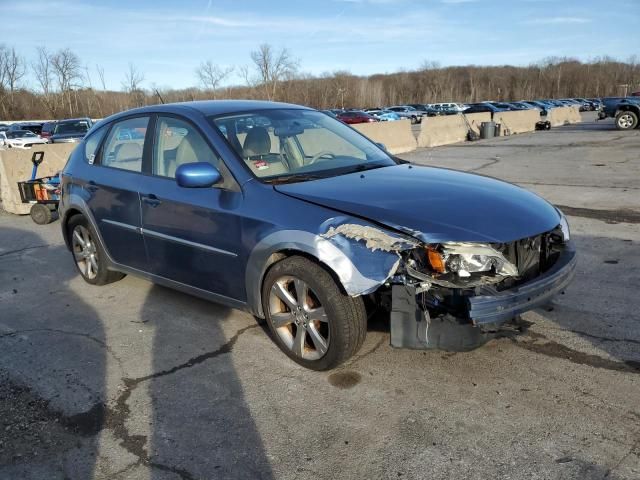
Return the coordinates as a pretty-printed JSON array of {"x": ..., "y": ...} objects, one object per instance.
[
  {"x": 311, "y": 319},
  {"x": 626, "y": 120},
  {"x": 88, "y": 254}
]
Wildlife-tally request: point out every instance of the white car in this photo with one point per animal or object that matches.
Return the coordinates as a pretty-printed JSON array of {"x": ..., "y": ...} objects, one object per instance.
[
  {"x": 22, "y": 139},
  {"x": 453, "y": 107}
]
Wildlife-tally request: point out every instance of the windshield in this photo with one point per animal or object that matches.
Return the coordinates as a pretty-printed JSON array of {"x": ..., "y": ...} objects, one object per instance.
[
  {"x": 295, "y": 145},
  {"x": 21, "y": 134},
  {"x": 72, "y": 127}
]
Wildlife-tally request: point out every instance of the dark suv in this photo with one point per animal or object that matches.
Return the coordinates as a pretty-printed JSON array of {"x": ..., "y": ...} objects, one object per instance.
[
  {"x": 47, "y": 129},
  {"x": 70, "y": 130},
  {"x": 625, "y": 111}
]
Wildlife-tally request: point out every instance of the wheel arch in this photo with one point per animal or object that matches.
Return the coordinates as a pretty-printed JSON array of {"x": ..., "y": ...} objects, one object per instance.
[
  {"x": 69, "y": 213},
  {"x": 345, "y": 267},
  {"x": 629, "y": 107},
  {"x": 75, "y": 205}
]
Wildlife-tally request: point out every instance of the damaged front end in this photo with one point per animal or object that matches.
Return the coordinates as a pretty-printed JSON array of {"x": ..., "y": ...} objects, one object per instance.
[{"x": 456, "y": 295}]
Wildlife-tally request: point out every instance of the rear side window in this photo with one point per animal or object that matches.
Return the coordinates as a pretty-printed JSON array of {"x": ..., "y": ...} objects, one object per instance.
[
  {"x": 80, "y": 126},
  {"x": 125, "y": 144},
  {"x": 92, "y": 142}
]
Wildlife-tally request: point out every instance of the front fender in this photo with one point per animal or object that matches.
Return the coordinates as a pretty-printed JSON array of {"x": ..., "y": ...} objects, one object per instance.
[{"x": 355, "y": 252}]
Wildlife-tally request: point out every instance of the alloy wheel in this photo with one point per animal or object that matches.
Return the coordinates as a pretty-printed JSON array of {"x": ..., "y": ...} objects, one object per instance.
[
  {"x": 85, "y": 252},
  {"x": 625, "y": 121},
  {"x": 298, "y": 318}
]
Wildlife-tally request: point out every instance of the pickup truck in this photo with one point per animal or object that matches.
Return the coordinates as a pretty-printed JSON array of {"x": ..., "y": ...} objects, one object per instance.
[{"x": 625, "y": 111}]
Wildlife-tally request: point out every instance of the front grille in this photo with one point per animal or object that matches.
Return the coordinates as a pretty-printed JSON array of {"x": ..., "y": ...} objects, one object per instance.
[{"x": 532, "y": 256}]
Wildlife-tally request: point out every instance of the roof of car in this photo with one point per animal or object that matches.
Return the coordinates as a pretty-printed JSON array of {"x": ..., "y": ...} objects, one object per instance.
[
  {"x": 218, "y": 107},
  {"x": 82, "y": 119}
]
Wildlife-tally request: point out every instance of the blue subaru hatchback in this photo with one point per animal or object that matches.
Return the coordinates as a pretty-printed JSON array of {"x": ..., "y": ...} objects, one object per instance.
[{"x": 289, "y": 214}]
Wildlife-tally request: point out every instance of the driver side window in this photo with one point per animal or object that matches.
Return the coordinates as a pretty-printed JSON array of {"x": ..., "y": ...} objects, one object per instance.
[{"x": 178, "y": 142}]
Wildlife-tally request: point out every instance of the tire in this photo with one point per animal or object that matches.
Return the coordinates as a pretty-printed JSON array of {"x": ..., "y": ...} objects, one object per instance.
[
  {"x": 626, "y": 120},
  {"x": 40, "y": 214},
  {"x": 90, "y": 260},
  {"x": 327, "y": 329}
]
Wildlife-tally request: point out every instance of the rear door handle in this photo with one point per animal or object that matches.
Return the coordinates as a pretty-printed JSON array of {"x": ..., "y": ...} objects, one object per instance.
[
  {"x": 151, "y": 200},
  {"x": 92, "y": 187}
]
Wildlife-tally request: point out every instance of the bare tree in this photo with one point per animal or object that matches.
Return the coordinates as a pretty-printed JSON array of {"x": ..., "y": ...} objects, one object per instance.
[
  {"x": 273, "y": 67},
  {"x": 132, "y": 79},
  {"x": 43, "y": 73},
  {"x": 211, "y": 75},
  {"x": 12, "y": 70},
  {"x": 67, "y": 70},
  {"x": 3, "y": 80},
  {"x": 100, "y": 71}
]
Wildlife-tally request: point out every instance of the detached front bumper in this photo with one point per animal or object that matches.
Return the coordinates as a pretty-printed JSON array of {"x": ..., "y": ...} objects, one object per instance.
[
  {"x": 412, "y": 326},
  {"x": 504, "y": 306}
]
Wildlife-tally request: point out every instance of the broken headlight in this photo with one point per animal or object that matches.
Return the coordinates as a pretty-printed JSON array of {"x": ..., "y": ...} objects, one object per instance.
[{"x": 463, "y": 259}]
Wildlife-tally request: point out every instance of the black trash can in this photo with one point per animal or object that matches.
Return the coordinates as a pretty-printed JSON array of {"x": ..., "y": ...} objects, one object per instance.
[{"x": 487, "y": 129}]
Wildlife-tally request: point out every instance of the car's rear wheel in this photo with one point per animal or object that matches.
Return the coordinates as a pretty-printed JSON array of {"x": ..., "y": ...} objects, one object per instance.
[
  {"x": 627, "y": 120},
  {"x": 311, "y": 319},
  {"x": 88, "y": 254}
]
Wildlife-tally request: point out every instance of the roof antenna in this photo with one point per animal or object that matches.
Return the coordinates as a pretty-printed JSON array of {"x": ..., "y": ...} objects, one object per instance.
[{"x": 159, "y": 96}]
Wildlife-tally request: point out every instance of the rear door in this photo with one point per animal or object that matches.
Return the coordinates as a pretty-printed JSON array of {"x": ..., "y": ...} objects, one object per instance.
[
  {"x": 113, "y": 191},
  {"x": 192, "y": 234}
]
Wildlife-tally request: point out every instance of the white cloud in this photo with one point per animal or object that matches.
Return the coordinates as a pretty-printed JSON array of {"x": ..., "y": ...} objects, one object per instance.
[{"x": 558, "y": 20}]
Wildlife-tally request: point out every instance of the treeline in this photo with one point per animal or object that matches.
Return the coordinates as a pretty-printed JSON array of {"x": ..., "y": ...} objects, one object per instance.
[{"x": 59, "y": 85}]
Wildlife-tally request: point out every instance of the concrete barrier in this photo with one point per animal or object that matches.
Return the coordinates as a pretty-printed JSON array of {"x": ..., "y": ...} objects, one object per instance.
[
  {"x": 16, "y": 166},
  {"x": 397, "y": 136},
  {"x": 574, "y": 115},
  {"x": 442, "y": 130},
  {"x": 475, "y": 120},
  {"x": 519, "y": 121},
  {"x": 559, "y": 116}
]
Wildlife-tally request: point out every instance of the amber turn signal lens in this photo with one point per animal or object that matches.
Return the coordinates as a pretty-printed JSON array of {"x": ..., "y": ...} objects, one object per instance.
[{"x": 435, "y": 260}]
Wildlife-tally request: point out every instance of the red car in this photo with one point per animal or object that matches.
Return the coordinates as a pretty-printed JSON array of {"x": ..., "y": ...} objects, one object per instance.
[
  {"x": 356, "y": 116},
  {"x": 47, "y": 129}
]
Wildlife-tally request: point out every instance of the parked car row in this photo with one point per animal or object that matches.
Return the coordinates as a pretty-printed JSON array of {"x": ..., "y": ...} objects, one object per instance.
[
  {"x": 26, "y": 134},
  {"x": 416, "y": 111}
]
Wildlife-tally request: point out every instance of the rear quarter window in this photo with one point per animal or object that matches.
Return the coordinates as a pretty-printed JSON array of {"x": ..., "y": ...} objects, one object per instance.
[{"x": 92, "y": 143}]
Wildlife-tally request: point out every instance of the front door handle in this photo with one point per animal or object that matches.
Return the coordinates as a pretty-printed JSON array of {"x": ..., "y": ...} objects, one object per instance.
[{"x": 151, "y": 200}]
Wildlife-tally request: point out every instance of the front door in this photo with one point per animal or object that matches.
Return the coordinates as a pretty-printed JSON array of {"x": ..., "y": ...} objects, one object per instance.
[{"x": 192, "y": 234}]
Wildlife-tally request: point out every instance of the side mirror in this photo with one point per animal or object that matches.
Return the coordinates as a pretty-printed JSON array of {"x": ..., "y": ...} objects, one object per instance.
[
  {"x": 382, "y": 146},
  {"x": 197, "y": 175}
]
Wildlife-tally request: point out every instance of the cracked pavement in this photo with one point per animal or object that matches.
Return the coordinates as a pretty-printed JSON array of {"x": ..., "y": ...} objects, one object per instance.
[{"x": 135, "y": 381}]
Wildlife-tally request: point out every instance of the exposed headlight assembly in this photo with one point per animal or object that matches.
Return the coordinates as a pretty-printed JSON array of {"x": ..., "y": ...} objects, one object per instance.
[{"x": 464, "y": 259}]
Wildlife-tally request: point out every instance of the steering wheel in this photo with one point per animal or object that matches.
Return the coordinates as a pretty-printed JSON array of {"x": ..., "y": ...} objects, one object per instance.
[{"x": 318, "y": 156}]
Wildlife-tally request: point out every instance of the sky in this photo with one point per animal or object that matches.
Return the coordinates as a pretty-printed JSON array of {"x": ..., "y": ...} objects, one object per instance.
[{"x": 168, "y": 39}]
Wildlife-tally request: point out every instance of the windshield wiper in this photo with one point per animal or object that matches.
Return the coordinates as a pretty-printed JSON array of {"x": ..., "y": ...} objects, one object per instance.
[
  {"x": 365, "y": 166},
  {"x": 293, "y": 178}
]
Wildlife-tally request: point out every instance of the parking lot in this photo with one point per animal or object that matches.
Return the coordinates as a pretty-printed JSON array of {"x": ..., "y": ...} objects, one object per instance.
[{"x": 136, "y": 381}]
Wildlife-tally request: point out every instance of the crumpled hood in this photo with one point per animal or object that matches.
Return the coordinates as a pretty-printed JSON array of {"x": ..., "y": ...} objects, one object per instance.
[{"x": 433, "y": 204}]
